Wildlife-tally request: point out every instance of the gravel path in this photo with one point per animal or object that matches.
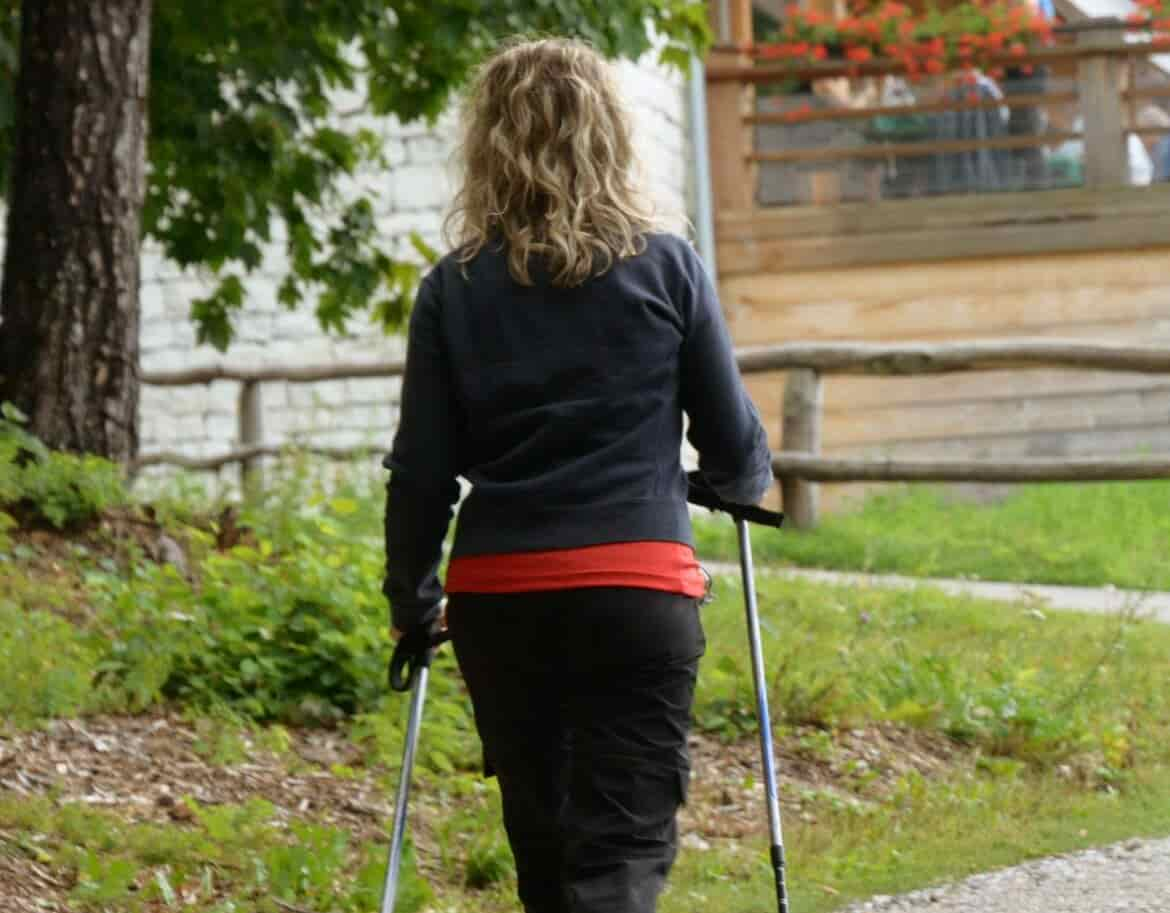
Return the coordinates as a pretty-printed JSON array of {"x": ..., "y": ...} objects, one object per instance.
[
  {"x": 1109, "y": 600},
  {"x": 1129, "y": 877}
]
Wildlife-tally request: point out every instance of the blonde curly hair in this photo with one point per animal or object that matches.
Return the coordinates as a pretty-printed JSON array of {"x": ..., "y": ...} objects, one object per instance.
[{"x": 548, "y": 164}]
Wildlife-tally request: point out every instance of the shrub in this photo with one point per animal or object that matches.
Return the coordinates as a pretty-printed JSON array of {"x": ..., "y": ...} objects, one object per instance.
[
  {"x": 48, "y": 669},
  {"x": 290, "y": 624},
  {"x": 44, "y": 486},
  {"x": 299, "y": 634}
]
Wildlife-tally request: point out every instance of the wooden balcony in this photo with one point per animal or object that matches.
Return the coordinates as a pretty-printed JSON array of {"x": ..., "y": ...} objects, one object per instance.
[
  {"x": 1059, "y": 157},
  {"x": 1052, "y": 222}
]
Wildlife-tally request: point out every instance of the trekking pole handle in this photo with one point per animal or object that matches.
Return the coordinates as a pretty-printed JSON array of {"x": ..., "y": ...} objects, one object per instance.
[
  {"x": 414, "y": 651},
  {"x": 704, "y": 497}
]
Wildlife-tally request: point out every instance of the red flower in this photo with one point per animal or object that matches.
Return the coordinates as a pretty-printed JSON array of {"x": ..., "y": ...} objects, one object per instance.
[
  {"x": 1019, "y": 50},
  {"x": 800, "y": 49},
  {"x": 858, "y": 55},
  {"x": 820, "y": 52},
  {"x": 800, "y": 113},
  {"x": 934, "y": 66},
  {"x": 1137, "y": 18},
  {"x": 995, "y": 41}
]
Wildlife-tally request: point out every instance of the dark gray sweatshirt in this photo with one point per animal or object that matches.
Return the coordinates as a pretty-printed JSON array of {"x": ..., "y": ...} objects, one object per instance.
[{"x": 563, "y": 407}]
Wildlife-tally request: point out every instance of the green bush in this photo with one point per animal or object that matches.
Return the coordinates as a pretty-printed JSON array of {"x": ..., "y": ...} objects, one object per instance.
[
  {"x": 299, "y": 633},
  {"x": 61, "y": 489},
  {"x": 48, "y": 668},
  {"x": 288, "y": 625}
]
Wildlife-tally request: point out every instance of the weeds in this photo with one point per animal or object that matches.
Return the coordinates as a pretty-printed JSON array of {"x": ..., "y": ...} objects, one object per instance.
[{"x": 988, "y": 675}]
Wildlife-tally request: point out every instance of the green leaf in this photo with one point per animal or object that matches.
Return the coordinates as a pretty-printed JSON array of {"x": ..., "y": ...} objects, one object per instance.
[{"x": 246, "y": 136}]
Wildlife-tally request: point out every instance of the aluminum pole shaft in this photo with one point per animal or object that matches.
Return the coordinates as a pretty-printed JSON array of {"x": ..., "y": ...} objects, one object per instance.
[
  {"x": 761, "y": 682},
  {"x": 398, "y": 836}
]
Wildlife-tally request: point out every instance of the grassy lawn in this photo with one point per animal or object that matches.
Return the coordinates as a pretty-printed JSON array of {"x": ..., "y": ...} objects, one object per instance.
[
  {"x": 204, "y": 725},
  {"x": 1089, "y": 535}
]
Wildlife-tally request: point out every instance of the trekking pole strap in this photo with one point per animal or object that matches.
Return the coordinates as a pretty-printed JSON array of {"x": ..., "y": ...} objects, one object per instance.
[
  {"x": 703, "y": 496},
  {"x": 414, "y": 651}
]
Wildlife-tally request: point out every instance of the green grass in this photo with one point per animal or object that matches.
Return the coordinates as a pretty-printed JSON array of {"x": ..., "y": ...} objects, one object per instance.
[
  {"x": 1071, "y": 715},
  {"x": 936, "y": 832},
  {"x": 1060, "y": 722},
  {"x": 235, "y": 858},
  {"x": 1014, "y": 682},
  {"x": 1089, "y": 535}
]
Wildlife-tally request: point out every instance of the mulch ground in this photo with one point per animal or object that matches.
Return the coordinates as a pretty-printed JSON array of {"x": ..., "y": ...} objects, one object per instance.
[{"x": 143, "y": 767}]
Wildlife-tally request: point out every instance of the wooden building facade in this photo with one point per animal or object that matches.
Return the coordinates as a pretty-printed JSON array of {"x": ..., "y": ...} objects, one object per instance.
[{"x": 1083, "y": 255}]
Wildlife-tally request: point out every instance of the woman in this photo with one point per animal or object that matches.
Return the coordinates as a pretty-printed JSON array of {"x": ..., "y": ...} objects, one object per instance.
[{"x": 550, "y": 360}]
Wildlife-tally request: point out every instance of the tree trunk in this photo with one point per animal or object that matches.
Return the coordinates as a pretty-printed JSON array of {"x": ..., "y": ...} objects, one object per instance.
[{"x": 69, "y": 300}]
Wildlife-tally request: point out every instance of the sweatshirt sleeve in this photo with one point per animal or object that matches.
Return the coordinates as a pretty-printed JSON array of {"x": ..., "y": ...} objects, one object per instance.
[
  {"x": 423, "y": 462},
  {"x": 724, "y": 426}
]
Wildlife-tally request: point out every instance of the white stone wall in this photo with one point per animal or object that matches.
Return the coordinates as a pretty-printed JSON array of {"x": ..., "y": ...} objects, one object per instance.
[{"x": 413, "y": 195}]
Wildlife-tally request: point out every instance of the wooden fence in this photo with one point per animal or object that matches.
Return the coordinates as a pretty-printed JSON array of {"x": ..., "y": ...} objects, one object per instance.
[{"x": 798, "y": 465}]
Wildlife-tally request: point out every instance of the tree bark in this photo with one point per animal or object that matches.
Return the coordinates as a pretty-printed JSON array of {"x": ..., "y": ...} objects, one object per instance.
[{"x": 69, "y": 299}]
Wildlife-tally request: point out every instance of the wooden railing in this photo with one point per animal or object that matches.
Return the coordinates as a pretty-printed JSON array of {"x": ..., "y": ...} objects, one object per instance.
[
  {"x": 250, "y": 411},
  {"x": 798, "y": 464},
  {"x": 770, "y": 186}
]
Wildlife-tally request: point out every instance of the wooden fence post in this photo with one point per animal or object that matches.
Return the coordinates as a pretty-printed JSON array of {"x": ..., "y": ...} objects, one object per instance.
[
  {"x": 801, "y": 432},
  {"x": 251, "y": 432},
  {"x": 1106, "y": 152},
  {"x": 729, "y": 138}
]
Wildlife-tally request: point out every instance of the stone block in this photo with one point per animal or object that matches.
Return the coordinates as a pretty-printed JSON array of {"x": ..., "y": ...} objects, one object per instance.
[
  {"x": 371, "y": 390},
  {"x": 430, "y": 149},
  {"x": 302, "y": 396},
  {"x": 414, "y": 187},
  {"x": 347, "y": 437},
  {"x": 393, "y": 150},
  {"x": 189, "y": 400},
  {"x": 253, "y": 327},
  {"x": 296, "y": 325},
  {"x": 330, "y": 392},
  {"x": 222, "y": 427},
  {"x": 224, "y": 395}
]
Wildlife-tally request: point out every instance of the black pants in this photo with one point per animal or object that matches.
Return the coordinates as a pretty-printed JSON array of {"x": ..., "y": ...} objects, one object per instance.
[{"x": 582, "y": 700}]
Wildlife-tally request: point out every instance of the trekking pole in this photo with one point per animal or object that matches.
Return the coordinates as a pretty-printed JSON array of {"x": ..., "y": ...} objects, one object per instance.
[
  {"x": 409, "y": 669},
  {"x": 743, "y": 514},
  {"x": 747, "y": 570}
]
